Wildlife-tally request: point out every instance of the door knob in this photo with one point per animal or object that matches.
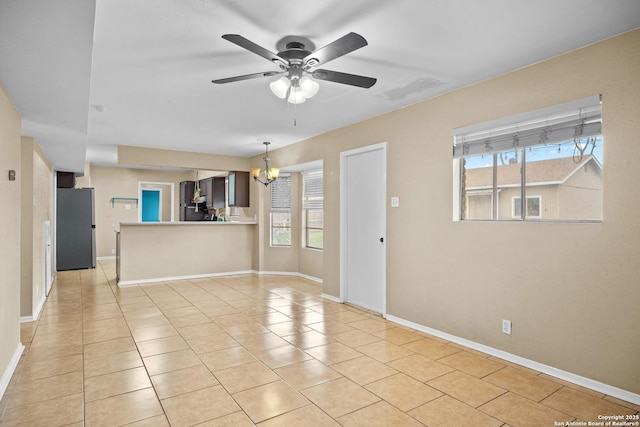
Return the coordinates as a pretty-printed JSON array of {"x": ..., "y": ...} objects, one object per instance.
[{"x": 382, "y": 240}]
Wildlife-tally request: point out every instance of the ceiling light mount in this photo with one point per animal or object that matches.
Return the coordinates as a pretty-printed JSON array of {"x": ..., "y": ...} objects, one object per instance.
[{"x": 269, "y": 174}]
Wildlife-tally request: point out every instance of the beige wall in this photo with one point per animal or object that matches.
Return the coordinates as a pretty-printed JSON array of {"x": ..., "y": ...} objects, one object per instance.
[
  {"x": 37, "y": 207},
  {"x": 310, "y": 262},
  {"x": 135, "y": 156},
  {"x": 123, "y": 182},
  {"x": 10, "y": 194},
  {"x": 576, "y": 307},
  {"x": 84, "y": 181}
]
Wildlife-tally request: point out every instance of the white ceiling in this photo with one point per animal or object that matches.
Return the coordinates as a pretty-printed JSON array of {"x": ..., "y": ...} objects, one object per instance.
[{"x": 87, "y": 76}]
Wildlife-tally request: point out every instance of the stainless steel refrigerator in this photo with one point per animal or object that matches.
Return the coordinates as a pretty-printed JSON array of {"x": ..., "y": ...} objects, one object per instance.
[{"x": 75, "y": 229}]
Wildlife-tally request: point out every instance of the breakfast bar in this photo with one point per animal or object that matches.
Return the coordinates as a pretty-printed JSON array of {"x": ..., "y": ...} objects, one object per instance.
[{"x": 149, "y": 252}]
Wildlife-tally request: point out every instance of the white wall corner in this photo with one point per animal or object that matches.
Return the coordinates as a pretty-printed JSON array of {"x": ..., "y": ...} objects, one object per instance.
[
  {"x": 38, "y": 308},
  {"x": 457, "y": 164}
]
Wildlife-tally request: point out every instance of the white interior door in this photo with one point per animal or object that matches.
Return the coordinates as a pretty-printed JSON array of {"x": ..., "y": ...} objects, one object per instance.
[
  {"x": 363, "y": 224},
  {"x": 48, "y": 261}
]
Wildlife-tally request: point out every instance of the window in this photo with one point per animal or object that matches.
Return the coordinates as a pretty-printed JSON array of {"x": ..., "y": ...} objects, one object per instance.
[
  {"x": 479, "y": 205},
  {"x": 281, "y": 211},
  {"x": 507, "y": 168},
  {"x": 533, "y": 207},
  {"x": 312, "y": 204}
]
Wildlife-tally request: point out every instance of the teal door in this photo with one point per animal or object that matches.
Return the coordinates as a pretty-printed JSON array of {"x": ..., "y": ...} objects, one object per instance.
[{"x": 150, "y": 205}]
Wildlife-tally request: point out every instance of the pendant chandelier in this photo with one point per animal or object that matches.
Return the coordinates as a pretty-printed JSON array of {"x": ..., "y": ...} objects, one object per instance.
[{"x": 268, "y": 175}]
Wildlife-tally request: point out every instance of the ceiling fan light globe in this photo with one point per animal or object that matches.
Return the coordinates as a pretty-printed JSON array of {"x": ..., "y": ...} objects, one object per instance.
[
  {"x": 280, "y": 87},
  {"x": 309, "y": 87},
  {"x": 296, "y": 96}
]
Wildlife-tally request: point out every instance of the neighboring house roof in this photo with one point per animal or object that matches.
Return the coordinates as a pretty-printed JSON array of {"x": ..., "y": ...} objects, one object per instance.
[{"x": 553, "y": 171}]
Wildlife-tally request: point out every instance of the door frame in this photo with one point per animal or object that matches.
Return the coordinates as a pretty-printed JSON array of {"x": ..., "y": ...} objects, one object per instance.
[
  {"x": 344, "y": 219},
  {"x": 171, "y": 185},
  {"x": 48, "y": 257}
]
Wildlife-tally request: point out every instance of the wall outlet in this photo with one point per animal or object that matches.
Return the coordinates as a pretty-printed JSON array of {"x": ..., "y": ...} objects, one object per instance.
[
  {"x": 113, "y": 251},
  {"x": 506, "y": 327}
]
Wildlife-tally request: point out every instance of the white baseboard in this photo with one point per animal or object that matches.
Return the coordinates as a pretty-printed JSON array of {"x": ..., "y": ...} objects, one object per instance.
[
  {"x": 291, "y": 273},
  {"x": 331, "y": 298},
  {"x": 11, "y": 368},
  {"x": 312, "y": 278},
  {"x": 203, "y": 276},
  {"x": 174, "y": 278},
  {"x": 105, "y": 258},
  {"x": 36, "y": 311},
  {"x": 550, "y": 370}
]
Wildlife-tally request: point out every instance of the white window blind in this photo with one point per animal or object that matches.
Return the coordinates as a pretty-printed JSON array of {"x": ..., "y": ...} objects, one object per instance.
[
  {"x": 312, "y": 196},
  {"x": 577, "y": 119},
  {"x": 281, "y": 194}
]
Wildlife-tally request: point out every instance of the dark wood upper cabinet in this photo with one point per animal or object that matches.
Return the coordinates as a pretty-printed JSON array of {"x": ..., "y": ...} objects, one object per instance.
[
  {"x": 66, "y": 179},
  {"x": 213, "y": 189},
  {"x": 239, "y": 189},
  {"x": 219, "y": 192}
]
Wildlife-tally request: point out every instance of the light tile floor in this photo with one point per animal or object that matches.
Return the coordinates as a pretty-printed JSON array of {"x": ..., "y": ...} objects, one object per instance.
[{"x": 247, "y": 350}]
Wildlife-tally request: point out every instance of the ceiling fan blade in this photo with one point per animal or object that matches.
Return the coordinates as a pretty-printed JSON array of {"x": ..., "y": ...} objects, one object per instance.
[
  {"x": 247, "y": 77},
  {"x": 344, "y": 78},
  {"x": 336, "y": 49},
  {"x": 252, "y": 47}
]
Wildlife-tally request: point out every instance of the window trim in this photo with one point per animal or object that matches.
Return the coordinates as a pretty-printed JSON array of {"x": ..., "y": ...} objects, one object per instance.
[
  {"x": 312, "y": 202},
  {"x": 489, "y": 193},
  {"x": 272, "y": 228},
  {"x": 283, "y": 184},
  {"x": 307, "y": 229}
]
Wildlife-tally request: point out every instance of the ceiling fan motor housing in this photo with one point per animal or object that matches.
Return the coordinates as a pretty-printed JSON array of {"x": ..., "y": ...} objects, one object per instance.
[{"x": 294, "y": 54}]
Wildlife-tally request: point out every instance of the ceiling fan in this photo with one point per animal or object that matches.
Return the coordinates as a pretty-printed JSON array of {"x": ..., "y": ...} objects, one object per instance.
[{"x": 297, "y": 63}]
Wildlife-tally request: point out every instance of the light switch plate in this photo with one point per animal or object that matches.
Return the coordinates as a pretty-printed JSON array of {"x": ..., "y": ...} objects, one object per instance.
[
  {"x": 395, "y": 202},
  {"x": 506, "y": 327}
]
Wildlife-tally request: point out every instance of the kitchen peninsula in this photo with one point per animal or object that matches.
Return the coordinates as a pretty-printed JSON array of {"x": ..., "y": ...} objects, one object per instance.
[{"x": 163, "y": 251}]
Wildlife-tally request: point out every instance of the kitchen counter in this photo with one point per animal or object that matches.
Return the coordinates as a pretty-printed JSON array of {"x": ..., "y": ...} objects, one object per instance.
[
  {"x": 166, "y": 251},
  {"x": 168, "y": 223}
]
